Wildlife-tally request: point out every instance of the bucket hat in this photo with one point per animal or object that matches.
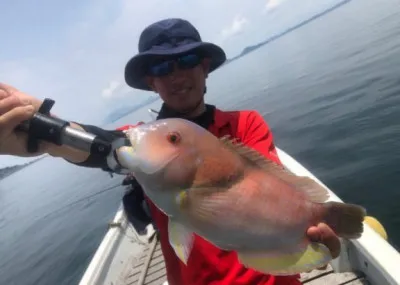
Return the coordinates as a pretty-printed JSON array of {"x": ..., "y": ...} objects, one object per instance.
[{"x": 169, "y": 37}]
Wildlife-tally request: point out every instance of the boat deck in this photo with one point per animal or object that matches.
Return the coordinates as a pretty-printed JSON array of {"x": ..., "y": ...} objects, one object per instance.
[
  {"x": 328, "y": 277},
  {"x": 148, "y": 268}
]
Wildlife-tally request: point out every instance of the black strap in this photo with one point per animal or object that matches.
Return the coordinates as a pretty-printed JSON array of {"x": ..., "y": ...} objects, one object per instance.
[{"x": 33, "y": 144}]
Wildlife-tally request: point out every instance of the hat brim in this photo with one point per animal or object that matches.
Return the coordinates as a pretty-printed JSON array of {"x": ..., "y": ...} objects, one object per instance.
[{"x": 135, "y": 68}]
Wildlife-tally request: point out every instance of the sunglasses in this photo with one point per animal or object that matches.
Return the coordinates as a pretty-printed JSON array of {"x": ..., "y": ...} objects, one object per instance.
[{"x": 166, "y": 67}]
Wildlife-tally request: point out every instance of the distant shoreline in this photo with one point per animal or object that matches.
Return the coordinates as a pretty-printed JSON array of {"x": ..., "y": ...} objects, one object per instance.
[
  {"x": 7, "y": 171},
  {"x": 272, "y": 38},
  {"x": 124, "y": 111}
]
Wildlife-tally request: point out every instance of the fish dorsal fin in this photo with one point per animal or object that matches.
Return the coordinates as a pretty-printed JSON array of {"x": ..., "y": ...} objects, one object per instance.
[{"x": 315, "y": 192}]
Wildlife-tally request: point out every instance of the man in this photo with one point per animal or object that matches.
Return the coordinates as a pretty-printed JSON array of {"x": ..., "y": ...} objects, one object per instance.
[{"x": 173, "y": 62}]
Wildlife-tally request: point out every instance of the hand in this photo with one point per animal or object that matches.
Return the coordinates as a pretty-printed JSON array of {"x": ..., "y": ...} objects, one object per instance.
[
  {"x": 15, "y": 107},
  {"x": 324, "y": 234}
]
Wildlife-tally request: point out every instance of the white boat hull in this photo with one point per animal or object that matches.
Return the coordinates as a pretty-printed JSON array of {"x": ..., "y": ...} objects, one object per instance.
[{"x": 370, "y": 254}]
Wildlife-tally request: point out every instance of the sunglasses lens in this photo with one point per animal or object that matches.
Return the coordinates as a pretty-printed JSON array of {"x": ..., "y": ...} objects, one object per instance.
[
  {"x": 161, "y": 69},
  {"x": 188, "y": 61},
  {"x": 166, "y": 67}
]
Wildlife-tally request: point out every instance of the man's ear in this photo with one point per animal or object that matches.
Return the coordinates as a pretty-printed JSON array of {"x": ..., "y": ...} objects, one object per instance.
[
  {"x": 150, "y": 82},
  {"x": 206, "y": 66}
]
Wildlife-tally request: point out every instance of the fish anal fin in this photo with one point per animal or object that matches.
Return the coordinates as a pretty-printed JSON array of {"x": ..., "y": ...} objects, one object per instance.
[
  {"x": 315, "y": 255},
  {"x": 313, "y": 191},
  {"x": 181, "y": 240}
]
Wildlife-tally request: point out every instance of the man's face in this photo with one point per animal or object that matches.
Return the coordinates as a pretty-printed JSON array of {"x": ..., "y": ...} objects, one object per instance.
[{"x": 180, "y": 83}]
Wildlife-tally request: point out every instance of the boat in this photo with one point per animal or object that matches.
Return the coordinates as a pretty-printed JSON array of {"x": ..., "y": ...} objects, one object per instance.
[{"x": 126, "y": 256}]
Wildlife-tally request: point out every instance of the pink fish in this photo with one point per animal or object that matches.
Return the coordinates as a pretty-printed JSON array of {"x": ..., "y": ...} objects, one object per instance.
[{"x": 234, "y": 197}]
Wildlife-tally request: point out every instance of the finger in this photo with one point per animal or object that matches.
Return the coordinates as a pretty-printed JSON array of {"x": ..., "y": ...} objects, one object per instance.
[
  {"x": 324, "y": 234},
  {"x": 330, "y": 239},
  {"x": 314, "y": 234},
  {"x": 10, "y": 102},
  {"x": 4, "y": 94},
  {"x": 8, "y": 88},
  {"x": 10, "y": 120}
]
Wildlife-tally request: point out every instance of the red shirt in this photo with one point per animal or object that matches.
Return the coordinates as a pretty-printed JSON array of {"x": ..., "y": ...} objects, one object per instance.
[{"x": 207, "y": 264}]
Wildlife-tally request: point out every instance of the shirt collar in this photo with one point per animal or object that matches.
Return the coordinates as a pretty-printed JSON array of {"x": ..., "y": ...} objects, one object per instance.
[
  {"x": 205, "y": 120},
  {"x": 211, "y": 117}
]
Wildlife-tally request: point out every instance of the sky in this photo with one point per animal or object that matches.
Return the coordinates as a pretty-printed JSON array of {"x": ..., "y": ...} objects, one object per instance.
[{"x": 75, "y": 51}]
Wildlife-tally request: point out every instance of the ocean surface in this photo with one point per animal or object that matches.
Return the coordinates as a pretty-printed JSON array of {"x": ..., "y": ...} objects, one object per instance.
[{"x": 329, "y": 90}]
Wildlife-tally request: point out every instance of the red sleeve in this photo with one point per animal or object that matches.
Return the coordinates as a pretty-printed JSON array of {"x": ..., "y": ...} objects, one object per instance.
[
  {"x": 257, "y": 135},
  {"x": 127, "y": 127}
]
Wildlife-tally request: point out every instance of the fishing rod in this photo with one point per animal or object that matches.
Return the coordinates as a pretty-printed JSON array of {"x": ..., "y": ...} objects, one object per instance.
[
  {"x": 43, "y": 126},
  {"x": 150, "y": 110},
  {"x": 153, "y": 113}
]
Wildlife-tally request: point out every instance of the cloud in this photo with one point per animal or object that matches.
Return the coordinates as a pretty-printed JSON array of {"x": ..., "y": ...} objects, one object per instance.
[
  {"x": 236, "y": 27},
  {"x": 271, "y": 5},
  {"x": 78, "y": 57},
  {"x": 110, "y": 90}
]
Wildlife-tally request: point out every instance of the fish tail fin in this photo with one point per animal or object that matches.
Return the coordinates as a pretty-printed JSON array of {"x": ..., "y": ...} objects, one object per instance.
[
  {"x": 315, "y": 255},
  {"x": 346, "y": 220}
]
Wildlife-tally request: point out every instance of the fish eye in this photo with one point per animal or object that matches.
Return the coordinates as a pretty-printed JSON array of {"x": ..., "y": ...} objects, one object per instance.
[{"x": 174, "y": 137}]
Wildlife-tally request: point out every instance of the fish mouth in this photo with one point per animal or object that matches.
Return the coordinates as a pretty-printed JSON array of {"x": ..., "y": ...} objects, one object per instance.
[
  {"x": 127, "y": 150},
  {"x": 140, "y": 154},
  {"x": 122, "y": 154}
]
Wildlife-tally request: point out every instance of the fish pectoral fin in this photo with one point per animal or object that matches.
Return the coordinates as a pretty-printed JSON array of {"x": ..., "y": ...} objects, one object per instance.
[
  {"x": 315, "y": 255},
  {"x": 181, "y": 240}
]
